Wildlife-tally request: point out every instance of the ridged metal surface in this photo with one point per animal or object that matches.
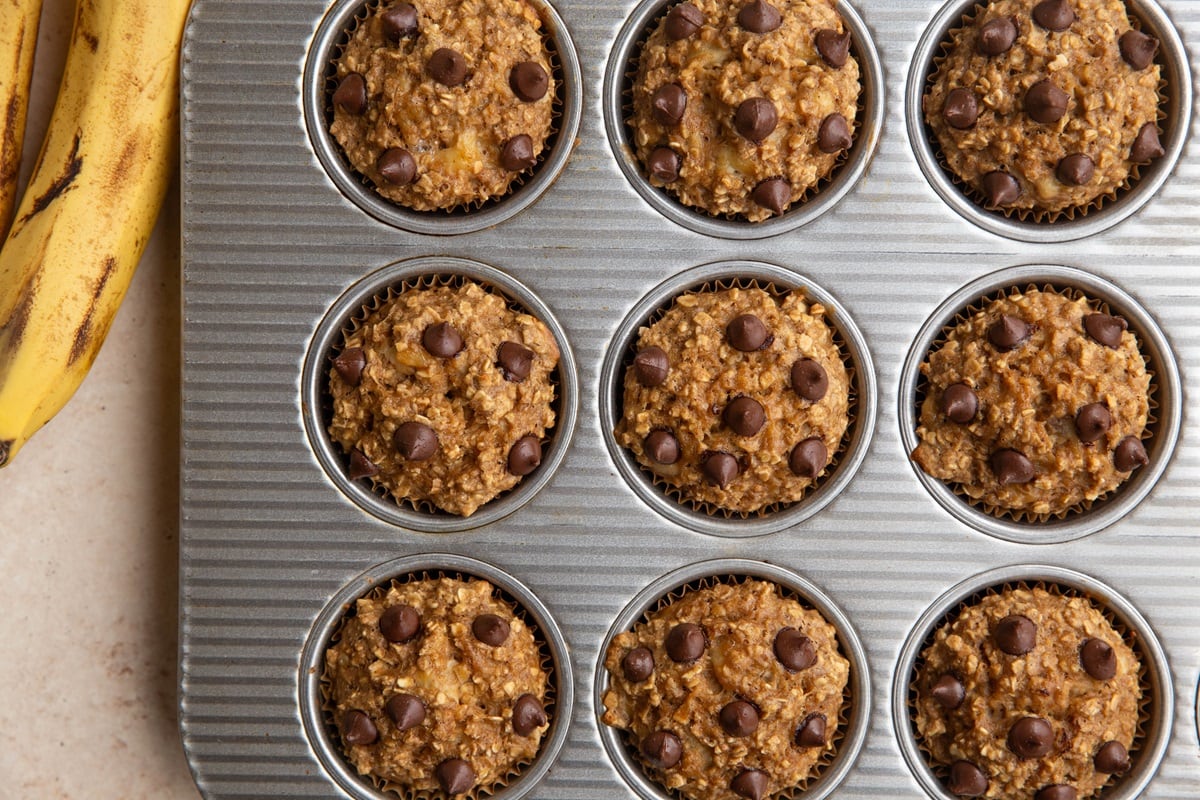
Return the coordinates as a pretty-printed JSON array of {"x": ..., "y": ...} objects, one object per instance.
[{"x": 267, "y": 539}]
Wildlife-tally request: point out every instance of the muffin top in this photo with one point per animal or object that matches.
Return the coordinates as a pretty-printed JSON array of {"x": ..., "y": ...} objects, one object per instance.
[
  {"x": 740, "y": 109},
  {"x": 1046, "y": 106}
]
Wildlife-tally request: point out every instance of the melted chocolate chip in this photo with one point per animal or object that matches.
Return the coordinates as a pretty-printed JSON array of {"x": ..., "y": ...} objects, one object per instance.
[
  {"x": 360, "y": 466},
  {"x": 1056, "y": 791},
  {"x": 650, "y": 366},
  {"x": 1011, "y": 466},
  {"x": 1130, "y": 454},
  {"x": 997, "y": 36},
  {"x": 1008, "y": 333},
  {"x": 948, "y": 691},
  {"x": 966, "y": 780},
  {"x": 490, "y": 629},
  {"x": 350, "y": 364},
  {"x": 525, "y": 455},
  {"x": 399, "y": 22},
  {"x": 745, "y": 416},
  {"x": 1075, "y": 169},
  {"x": 514, "y": 360},
  {"x": 358, "y": 728},
  {"x": 1000, "y": 189},
  {"x": 738, "y": 718},
  {"x": 661, "y": 446},
  {"x": 1092, "y": 422},
  {"x": 1137, "y": 49},
  {"x": 516, "y": 154},
  {"x": 719, "y": 468},
  {"x": 638, "y": 664},
  {"x": 662, "y": 749},
  {"x": 1105, "y": 329},
  {"x": 351, "y": 94},
  {"x": 834, "y": 134},
  {"x": 759, "y": 17},
  {"x": 811, "y": 732},
  {"x": 961, "y": 109},
  {"x": 447, "y": 67},
  {"x": 398, "y": 624},
  {"x": 529, "y": 81},
  {"x": 747, "y": 333},
  {"x": 960, "y": 403},
  {"x": 1031, "y": 737},
  {"x": 1112, "y": 757},
  {"x": 834, "y": 47},
  {"x": 685, "y": 642},
  {"x": 528, "y": 715},
  {"x": 442, "y": 340},
  {"x": 755, "y": 118},
  {"x": 455, "y": 776},
  {"x": 809, "y": 380},
  {"x": 397, "y": 166},
  {"x": 773, "y": 194},
  {"x": 683, "y": 21},
  {"x": 1015, "y": 635},
  {"x": 663, "y": 164},
  {"x": 415, "y": 441},
  {"x": 406, "y": 711},
  {"x": 1098, "y": 659},
  {"x": 1045, "y": 102},
  {"x": 794, "y": 650},
  {"x": 668, "y": 104},
  {"x": 809, "y": 457},
  {"x": 750, "y": 783},
  {"x": 1146, "y": 145},
  {"x": 1054, "y": 15}
]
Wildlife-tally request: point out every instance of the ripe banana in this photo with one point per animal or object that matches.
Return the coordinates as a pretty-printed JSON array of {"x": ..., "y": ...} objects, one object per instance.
[
  {"x": 90, "y": 206},
  {"x": 18, "y": 39}
]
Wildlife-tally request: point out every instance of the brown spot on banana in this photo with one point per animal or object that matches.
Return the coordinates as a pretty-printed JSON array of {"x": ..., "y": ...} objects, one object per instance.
[
  {"x": 61, "y": 184},
  {"x": 84, "y": 334},
  {"x": 12, "y": 330},
  {"x": 5, "y": 446}
]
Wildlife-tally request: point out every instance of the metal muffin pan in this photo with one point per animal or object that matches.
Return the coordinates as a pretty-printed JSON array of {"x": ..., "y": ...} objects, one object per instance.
[{"x": 271, "y": 539}]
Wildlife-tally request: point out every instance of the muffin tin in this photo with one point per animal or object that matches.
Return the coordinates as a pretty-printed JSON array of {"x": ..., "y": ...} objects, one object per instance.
[{"x": 278, "y": 245}]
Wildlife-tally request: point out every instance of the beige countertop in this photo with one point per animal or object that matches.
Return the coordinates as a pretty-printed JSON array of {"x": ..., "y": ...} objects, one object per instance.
[{"x": 89, "y": 546}]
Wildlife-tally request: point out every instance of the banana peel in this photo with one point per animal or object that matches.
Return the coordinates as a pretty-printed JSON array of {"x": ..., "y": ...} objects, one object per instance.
[{"x": 18, "y": 40}]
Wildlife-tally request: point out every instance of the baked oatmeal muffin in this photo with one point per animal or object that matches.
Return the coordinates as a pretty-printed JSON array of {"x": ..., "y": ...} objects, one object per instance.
[
  {"x": 733, "y": 690},
  {"x": 1046, "y": 107},
  {"x": 741, "y": 109},
  {"x": 444, "y": 103},
  {"x": 736, "y": 398},
  {"x": 437, "y": 688},
  {"x": 443, "y": 394},
  {"x": 1028, "y": 694}
]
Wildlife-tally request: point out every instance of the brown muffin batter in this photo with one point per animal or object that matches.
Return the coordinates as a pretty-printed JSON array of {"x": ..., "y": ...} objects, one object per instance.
[
  {"x": 1046, "y": 106},
  {"x": 729, "y": 416},
  {"x": 728, "y": 691},
  {"x": 443, "y": 103},
  {"x": 443, "y": 395},
  {"x": 437, "y": 684},
  {"x": 756, "y": 103},
  {"x": 1031, "y": 690}
]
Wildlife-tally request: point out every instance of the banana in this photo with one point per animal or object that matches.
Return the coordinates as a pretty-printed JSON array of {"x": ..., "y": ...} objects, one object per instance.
[
  {"x": 18, "y": 39},
  {"x": 91, "y": 203}
]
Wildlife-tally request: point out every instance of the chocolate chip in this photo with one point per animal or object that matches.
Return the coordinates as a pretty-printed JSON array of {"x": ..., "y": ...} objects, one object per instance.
[
  {"x": 773, "y": 194},
  {"x": 948, "y": 691},
  {"x": 650, "y": 366},
  {"x": 360, "y": 466},
  {"x": 525, "y": 455},
  {"x": 447, "y": 67},
  {"x": 528, "y": 81},
  {"x": 455, "y": 776},
  {"x": 959, "y": 403},
  {"x": 747, "y": 333},
  {"x": 1011, "y": 466},
  {"x": 1092, "y": 422},
  {"x": 809, "y": 457},
  {"x": 442, "y": 340},
  {"x": 1112, "y": 757},
  {"x": 514, "y": 360},
  {"x": 794, "y": 650},
  {"x": 527, "y": 715},
  {"x": 668, "y": 103},
  {"x": 1000, "y": 189},
  {"x": 961, "y": 109},
  {"x": 638, "y": 664},
  {"x": 1056, "y": 791},
  {"x": 490, "y": 629},
  {"x": 661, "y": 446},
  {"x": 834, "y": 47},
  {"x": 1045, "y": 102},
  {"x": 738, "y": 718},
  {"x": 759, "y": 17},
  {"x": 1105, "y": 329},
  {"x": 750, "y": 783},
  {"x": 516, "y": 154},
  {"x": 1137, "y": 49},
  {"x": 685, "y": 642},
  {"x": 1075, "y": 169},
  {"x": 415, "y": 441},
  {"x": 663, "y": 164},
  {"x": 1031, "y": 737},
  {"x": 809, "y": 380},
  {"x": 745, "y": 416},
  {"x": 719, "y": 468},
  {"x": 811, "y": 732},
  {"x": 834, "y": 134},
  {"x": 683, "y": 21},
  {"x": 755, "y": 118},
  {"x": 358, "y": 728},
  {"x": 997, "y": 36},
  {"x": 350, "y": 364},
  {"x": 1015, "y": 635},
  {"x": 397, "y": 166},
  {"x": 1146, "y": 145},
  {"x": 399, "y": 22},
  {"x": 1098, "y": 659},
  {"x": 966, "y": 780},
  {"x": 1008, "y": 333},
  {"x": 1054, "y": 15},
  {"x": 662, "y": 749},
  {"x": 406, "y": 711},
  {"x": 351, "y": 94},
  {"x": 1130, "y": 454},
  {"x": 399, "y": 623}
]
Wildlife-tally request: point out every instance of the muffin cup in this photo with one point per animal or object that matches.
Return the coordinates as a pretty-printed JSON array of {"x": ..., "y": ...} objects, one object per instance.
[
  {"x": 1163, "y": 426},
  {"x": 1175, "y": 111},
  {"x": 331, "y": 35},
  {"x": 318, "y": 723},
  {"x": 1157, "y": 711},
  {"x": 327, "y": 340},
  {"x": 852, "y": 724},
  {"x": 617, "y": 88},
  {"x": 844, "y": 462}
]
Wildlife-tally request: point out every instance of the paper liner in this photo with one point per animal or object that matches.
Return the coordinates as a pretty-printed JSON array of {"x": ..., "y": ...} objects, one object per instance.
[
  {"x": 1145, "y": 708},
  {"x": 677, "y": 494},
  {"x": 328, "y": 707},
  {"x": 1072, "y": 293}
]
